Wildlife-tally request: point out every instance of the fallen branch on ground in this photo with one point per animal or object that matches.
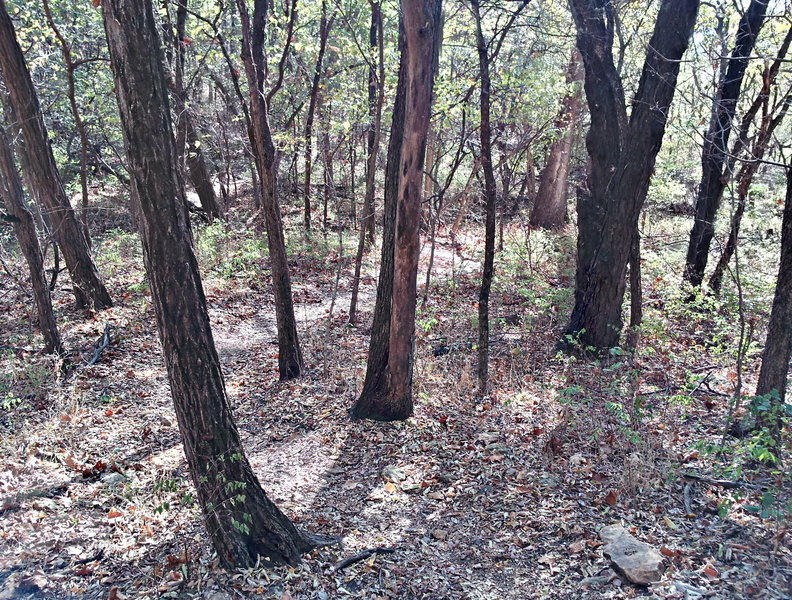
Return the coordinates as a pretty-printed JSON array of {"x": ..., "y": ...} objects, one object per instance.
[{"x": 343, "y": 564}]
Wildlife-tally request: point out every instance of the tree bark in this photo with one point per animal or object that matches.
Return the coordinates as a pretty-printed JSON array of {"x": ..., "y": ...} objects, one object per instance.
[
  {"x": 778, "y": 345},
  {"x": 387, "y": 390},
  {"x": 290, "y": 360},
  {"x": 89, "y": 291},
  {"x": 550, "y": 206},
  {"x": 324, "y": 31},
  {"x": 242, "y": 522},
  {"x": 25, "y": 231},
  {"x": 714, "y": 153},
  {"x": 609, "y": 206},
  {"x": 490, "y": 202}
]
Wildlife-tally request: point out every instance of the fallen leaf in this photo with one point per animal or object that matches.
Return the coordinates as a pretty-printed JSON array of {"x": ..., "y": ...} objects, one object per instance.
[
  {"x": 711, "y": 572},
  {"x": 612, "y": 498},
  {"x": 114, "y": 514}
]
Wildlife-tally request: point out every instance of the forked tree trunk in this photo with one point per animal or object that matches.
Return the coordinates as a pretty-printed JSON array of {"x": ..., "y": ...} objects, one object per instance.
[
  {"x": 714, "y": 154},
  {"x": 387, "y": 390},
  {"x": 25, "y": 230},
  {"x": 290, "y": 360},
  {"x": 550, "y": 206},
  {"x": 89, "y": 291},
  {"x": 608, "y": 209},
  {"x": 243, "y": 524}
]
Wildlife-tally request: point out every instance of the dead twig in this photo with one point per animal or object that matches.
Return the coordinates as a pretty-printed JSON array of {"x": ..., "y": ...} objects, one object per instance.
[
  {"x": 343, "y": 564},
  {"x": 101, "y": 345},
  {"x": 724, "y": 483}
]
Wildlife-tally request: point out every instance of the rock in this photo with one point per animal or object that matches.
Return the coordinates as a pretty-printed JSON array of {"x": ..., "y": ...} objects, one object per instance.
[
  {"x": 393, "y": 474},
  {"x": 113, "y": 479},
  {"x": 439, "y": 534},
  {"x": 589, "y": 582},
  {"x": 45, "y": 504},
  {"x": 638, "y": 561}
]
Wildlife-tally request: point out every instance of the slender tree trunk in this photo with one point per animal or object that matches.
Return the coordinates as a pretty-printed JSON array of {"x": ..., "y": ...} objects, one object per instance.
[
  {"x": 716, "y": 140},
  {"x": 387, "y": 390},
  {"x": 550, "y": 206},
  {"x": 324, "y": 31},
  {"x": 528, "y": 186},
  {"x": 188, "y": 140},
  {"x": 43, "y": 173},
  {"x": 608, "y": 208},
  {"x": 465, "y": 197},
  {"x": 490, "y": 202},
  {"x": 636, "y": 292},
  {"x": 777, "y": 352},
  {"x": 78, "y": 122},
  {"x": 25, "y": 230},
  {"x": 290, "y": 360},
  {"x": 243, "y": 524}
]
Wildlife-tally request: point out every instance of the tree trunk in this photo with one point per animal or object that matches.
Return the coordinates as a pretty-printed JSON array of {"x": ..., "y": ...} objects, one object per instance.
[
  {"x": 714, "y": 153},
  {"x": 290, "y": 360},
  {"x": 89, "y": 291},
  {"x": 243, "y": 523},
  {"x": 778, "y": 345},
  {"x": 490, "y": 202},
  {"x": 550, "y": 206},
  {"x": 608, "y": 208},
  {"x": 25, "y": 230},
  {"x": 387, "y": 390},
  {"x": 188, "y": 140},
  {"x": 324, "y": 31}
]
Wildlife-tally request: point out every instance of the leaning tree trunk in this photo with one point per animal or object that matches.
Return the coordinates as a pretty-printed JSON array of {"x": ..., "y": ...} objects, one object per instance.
[
  {"x": 387, "y": 390},
  {"x": 290, "y": 360},
  {"x": 550, "y": 206},
  {"x": 89, "y": 291},
  {"x": 714, "y": 154},
  {"x": 243, "y": 524},
  {"x": 25, "y": 230},
  {"x": 608, "y": 209},
  {"x": 778, "y": 346}
]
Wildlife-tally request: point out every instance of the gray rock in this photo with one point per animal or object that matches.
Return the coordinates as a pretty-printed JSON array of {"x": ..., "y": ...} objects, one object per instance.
[
  {"x": 393, "y": 474},
  {"x": 113, "y": 479},
  {"x": 638, "y": 561}
]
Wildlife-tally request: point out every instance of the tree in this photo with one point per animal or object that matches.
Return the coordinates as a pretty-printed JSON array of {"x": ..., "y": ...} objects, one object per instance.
[
  {"x": 42, "y": 172},
  {"x": 387, "y": 389},
  {"x": 609, "y": 206},
  {"x": 25, "y": 230},
  {"x": 549, "y": 210},
  {"x": 188, "y": 141},
  {"x": 778, "y": 345},
  {"x": 716, "y": 140},
  {"x": 290, "y": 362},
  {"x": 243, "y": 523}
]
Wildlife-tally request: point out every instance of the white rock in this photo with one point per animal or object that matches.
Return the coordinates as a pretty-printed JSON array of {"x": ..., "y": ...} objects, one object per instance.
[{"x": 638, "y": 561}]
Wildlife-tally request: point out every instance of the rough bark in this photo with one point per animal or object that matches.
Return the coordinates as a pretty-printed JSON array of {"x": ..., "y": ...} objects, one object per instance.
[
  {"x": 89, "y": 291},
  {"x": 550, "y": 206},
  {"x": 490, "y": 202},
  {"x": 387, "y": 390},
  {"x": 25, "y": 231},
  {"x": 376, "y": 100},
  {"x": 777, "y": 352},
  {"x": 290, "y": 360},
  {"x": 609, "y": 206},
  {"x": 243, "y": 524},
  {"x": 714, "y": 154}
]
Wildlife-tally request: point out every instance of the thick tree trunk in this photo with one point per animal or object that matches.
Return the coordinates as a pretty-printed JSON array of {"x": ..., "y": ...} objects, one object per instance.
[
  {"x": 714, "y": 153},
  {"x": 43, "y": 173},
  {"x": 490, "y": 202},
  {"x": 25, "y": 230},
  {"x": 290, "y": 360},
  {"x": 608, "y": 208},
  {"x": 243, "y": 523},
  {"x": 550, "y": 206},
  {"x": 387, "y": 390},
  {"x": 778, "y": 345}
]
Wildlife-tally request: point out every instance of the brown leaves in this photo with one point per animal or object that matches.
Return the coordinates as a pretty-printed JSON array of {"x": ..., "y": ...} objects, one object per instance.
[{"x": 611, "y": 498}]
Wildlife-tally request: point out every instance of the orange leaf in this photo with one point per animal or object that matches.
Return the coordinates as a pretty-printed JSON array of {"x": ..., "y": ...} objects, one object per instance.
[
  {"x": 711, "y": 571},
  {"x": 667, "y": 551},
  {"x": 114, "y": 514},
  {"x": 611, "y": 498}
]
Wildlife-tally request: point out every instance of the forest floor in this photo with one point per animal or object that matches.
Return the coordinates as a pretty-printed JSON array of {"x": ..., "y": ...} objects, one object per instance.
[{"x": 495, "y": 498}]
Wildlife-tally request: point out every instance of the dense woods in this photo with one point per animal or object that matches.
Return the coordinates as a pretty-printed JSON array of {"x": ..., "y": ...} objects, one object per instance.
[{"x": 395, "y": 299}]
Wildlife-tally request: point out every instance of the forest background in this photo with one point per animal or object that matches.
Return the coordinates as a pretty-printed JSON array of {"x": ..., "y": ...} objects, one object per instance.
[{"x": 497, "y": 486}]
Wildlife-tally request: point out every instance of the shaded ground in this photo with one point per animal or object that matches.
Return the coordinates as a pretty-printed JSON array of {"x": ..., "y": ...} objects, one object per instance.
[{"x": 493, "y": 499}]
